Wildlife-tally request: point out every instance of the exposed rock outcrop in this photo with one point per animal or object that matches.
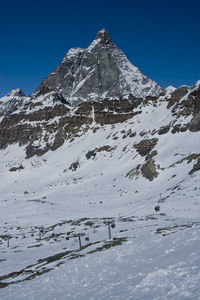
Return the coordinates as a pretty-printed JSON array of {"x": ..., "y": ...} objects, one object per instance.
[
  {"x": 196, "y": 167},
  {"x": 149, "y": 169},
  {"x": 145, "y": 146}
]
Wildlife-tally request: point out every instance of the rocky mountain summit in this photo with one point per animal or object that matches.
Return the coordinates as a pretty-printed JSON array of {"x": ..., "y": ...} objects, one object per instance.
[
  {"x": 11, "y": 102},
  {"x": 97, "y": 72}
]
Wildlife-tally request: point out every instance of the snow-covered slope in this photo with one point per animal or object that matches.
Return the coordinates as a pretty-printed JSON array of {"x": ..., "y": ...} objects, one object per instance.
[
  {"x": 119, "y": 171},
  {"x": 99, "y": 71},
  {"x": 159, "y": 260}
]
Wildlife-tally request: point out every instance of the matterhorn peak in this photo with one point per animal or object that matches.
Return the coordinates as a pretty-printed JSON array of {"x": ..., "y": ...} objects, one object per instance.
[
  {"x": 100, "y": 71},
  {"x": 102, "y": 38}
]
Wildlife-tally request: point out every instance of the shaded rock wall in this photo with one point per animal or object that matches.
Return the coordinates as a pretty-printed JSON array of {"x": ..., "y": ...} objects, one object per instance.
[{"x": 47, "y": 128}]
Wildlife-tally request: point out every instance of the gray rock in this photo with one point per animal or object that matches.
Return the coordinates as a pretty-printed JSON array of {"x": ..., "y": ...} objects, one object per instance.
[
  {"x": 196, "y": 167},
  {"x": 194, "y": 124},
  {"x": 149, "y": 170}
]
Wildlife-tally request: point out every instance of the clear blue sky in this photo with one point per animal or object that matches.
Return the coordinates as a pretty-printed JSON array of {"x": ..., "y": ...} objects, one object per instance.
[{"x": 162, "y": 38}]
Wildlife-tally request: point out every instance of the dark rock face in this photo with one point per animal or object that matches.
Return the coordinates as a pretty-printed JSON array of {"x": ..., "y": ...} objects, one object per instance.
[
  {"x": 193, "y": 101},
  {"x": 26, "y": 129},
  {"x": 186, "y": 107},
  {"x": 74, "y": 166},
  {"x": 17, "y": 128},
  {"x": 145, "y": 146},
  {"x": 14, "y": 169},
  {"x": 115, "y": 111},
  {"x": 104, "y": 148},
  {"x": 193, "y": 104},
  {"x": 196, "y": 167},
  {"x": 149, "y": 170},
  {"x": 109, "y": 111},
  {"x": 194, "y": 125},
  {"x": 164, "y": 129},
  {"x": 178, "y": 128},
  {"x": 177, "y": 95},
  {"x": 91, "y": 154}
]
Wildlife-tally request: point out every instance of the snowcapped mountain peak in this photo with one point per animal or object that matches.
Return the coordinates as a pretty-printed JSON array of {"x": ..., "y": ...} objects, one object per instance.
[
  {"x": 103, "y": 35},
  {"x": 100, "y": 71},
  {"x": 11, "y": 101},
  {"x": 13, "y": 93},
  {"x": 102, "y": 31},
  {"x": 102, "y": 38}
]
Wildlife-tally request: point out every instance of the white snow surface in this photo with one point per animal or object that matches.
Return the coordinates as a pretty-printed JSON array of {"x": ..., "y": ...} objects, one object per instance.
[{"x": 151, "y": 256}]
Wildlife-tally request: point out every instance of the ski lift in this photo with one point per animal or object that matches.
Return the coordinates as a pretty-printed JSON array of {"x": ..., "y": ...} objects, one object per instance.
[
  {"x": 8, "y": 239},
  {"x": 41, "y": 231},
  {"x": 87, "y": 238},
  {"x": 113, "y": 225},
  {"x": 157, "y": 208},
  {"x": 119, "y": 217}
]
